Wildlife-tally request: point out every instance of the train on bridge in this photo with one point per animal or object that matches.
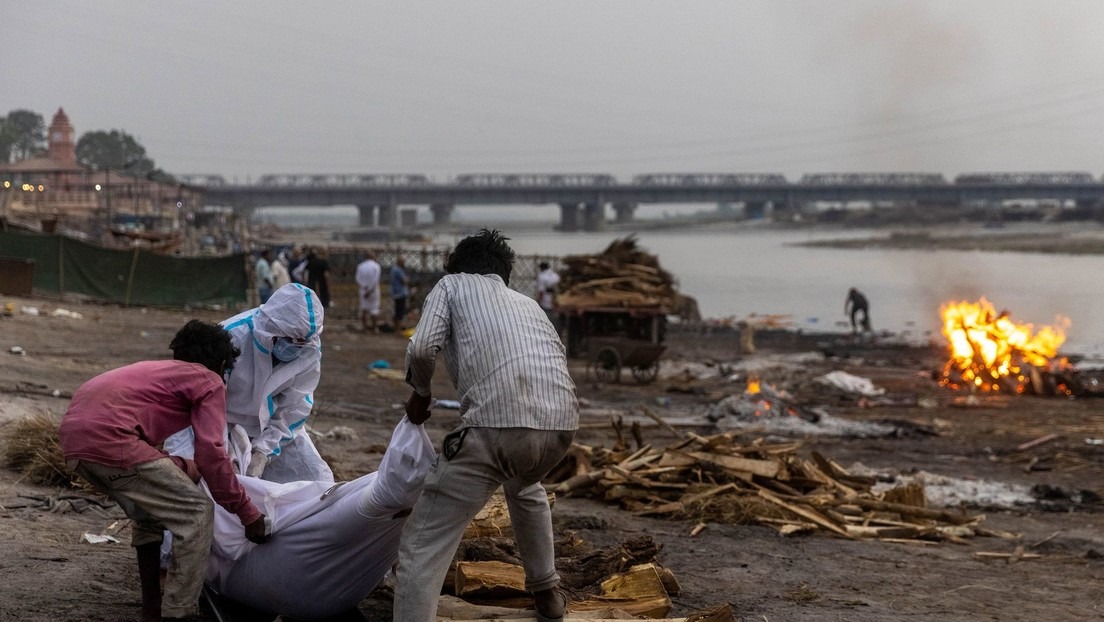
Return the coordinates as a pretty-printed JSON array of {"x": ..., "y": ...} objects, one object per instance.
[{"x": 661, "y": 180}]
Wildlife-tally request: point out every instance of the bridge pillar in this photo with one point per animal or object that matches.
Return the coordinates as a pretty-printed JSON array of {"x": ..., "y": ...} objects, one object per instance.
[
  {"x": 569, "y": 216},
  {"x": 594, "y": 216},
  {"x": 623, "y": 211},
  {"x": 387, "y": 215},
  {"x": 366, "y": 215},
  {"x": 754, "y": 210},
  {"x": 245, "y": 212},
  {"x": 442, "y": 213}
]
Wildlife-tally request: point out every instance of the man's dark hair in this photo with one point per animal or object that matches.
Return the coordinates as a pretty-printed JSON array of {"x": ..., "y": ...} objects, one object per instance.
[
  {"x": 483, "y": 253},
  {"x": 205, "y": 343},
  {"x": 544, "y": 266}
]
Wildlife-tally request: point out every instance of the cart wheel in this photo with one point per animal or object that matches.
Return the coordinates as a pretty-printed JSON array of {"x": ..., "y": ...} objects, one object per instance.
[
  {"x": 607, "y": 365},
  {"x": 646, "y": 373}
]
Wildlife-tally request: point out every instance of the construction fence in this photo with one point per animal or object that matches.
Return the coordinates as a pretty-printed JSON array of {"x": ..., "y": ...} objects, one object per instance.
[{"x": 65, "y": 265}]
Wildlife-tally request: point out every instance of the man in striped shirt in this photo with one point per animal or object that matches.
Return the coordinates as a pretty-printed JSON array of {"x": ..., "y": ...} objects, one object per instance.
[{"x": 519, "y": 412}]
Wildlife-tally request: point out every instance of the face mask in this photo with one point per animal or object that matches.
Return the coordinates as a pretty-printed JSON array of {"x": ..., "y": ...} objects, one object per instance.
[{"x": 286, "y": 350}]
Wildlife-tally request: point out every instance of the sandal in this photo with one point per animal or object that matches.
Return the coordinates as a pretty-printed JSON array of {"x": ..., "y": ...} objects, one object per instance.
[{"x": 563, "y": 608}]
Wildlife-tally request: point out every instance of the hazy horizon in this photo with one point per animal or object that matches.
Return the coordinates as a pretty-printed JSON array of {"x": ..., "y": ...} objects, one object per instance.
[{"x": 620, "y": 87}]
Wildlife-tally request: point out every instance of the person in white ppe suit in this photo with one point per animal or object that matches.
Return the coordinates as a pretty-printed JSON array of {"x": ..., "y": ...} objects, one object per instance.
[{"x": 269, "y": 391}]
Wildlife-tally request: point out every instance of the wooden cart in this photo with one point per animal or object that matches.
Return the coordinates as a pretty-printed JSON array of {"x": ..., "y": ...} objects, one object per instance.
[{"x": 611, "y": 339}]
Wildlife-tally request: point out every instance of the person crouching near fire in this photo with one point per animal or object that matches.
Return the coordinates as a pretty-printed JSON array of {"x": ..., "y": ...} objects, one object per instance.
[{"x": 110, "y": 436}]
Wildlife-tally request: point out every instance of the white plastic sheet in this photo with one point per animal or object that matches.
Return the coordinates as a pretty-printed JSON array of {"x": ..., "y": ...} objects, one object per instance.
[
  {"x": 330, "y": 546},
  {"x": 851, "y": 383}
]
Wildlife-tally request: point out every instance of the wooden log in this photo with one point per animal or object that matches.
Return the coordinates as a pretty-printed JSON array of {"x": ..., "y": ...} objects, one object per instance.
[
  {"x": 454, "y": 609},
  {"x": 1036, "y": 442},
  {"x": 909, "y": 494},
  {"x": 863, "y": 531},
  {"x": 1007, "y": 556},
  {"x": 815, "y": 473},
  {"x": 943, "y": 516},
  {"x": 670, "y": 583},
  {"x": 694, "y": 498},
  {"x": 652, "y": 414},
  {"x": 492, "y": 521},
  {"x": 765, "y": 468},
  {"x": 840, "y": 474},
  {"x": 578, "y": 482},
  {"x": 621, "y": 491},
  {"x": 639, "y": 591},
  {"x": 716, "y": 614},
  {"x": 489, "y": 579},
  {"x": 805, "y": 512}
]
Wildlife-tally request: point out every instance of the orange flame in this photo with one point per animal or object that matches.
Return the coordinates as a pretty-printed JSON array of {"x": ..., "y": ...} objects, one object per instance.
[
  {"x": 753, "y": 386},
  {"x": 990, "y": 352}
]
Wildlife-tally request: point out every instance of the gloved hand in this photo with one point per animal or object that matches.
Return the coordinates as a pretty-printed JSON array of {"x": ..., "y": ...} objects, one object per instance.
[
  {"x": 257, "y": 532},
  {"x": 257, "y": 462}
]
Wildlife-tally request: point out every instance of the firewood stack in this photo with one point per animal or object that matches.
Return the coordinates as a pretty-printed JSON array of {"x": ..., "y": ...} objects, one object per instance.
[
  {"x": 717, "y": 479},
  {"x": 602, "y": 582},
  {"x": 621, "y": 276}
]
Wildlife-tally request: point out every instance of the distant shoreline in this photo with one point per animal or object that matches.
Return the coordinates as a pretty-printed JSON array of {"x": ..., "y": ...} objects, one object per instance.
[{"x": 1058, "y": 240}]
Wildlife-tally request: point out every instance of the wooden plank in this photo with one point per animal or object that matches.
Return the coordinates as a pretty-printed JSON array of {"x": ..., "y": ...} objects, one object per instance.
[
  {"x": 764, "y": 468},
  {"x": 651, "y": 413},
  {"x": 708, "y": 493},
  {"x": 862, "y": 531},
  {"x": 806, "y": 512},
  {"x": 943, "y": 516},
  {"x": 1036, "y": 442}
]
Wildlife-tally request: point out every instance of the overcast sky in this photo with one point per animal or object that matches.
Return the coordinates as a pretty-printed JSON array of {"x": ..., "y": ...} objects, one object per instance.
[{"x": 623, "y": 87}]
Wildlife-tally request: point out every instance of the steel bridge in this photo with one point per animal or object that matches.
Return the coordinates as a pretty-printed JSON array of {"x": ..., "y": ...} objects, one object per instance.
[{"x": 585, "y": 198}]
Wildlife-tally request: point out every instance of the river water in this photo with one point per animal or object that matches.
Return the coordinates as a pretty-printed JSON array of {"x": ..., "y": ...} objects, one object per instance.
[{"x": 736, "y": 272}]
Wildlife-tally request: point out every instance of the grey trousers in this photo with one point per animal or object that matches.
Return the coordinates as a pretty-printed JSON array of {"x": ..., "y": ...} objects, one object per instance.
[
  {"x": 456, "y": 489},
  {"x": 159, "y": 497}
]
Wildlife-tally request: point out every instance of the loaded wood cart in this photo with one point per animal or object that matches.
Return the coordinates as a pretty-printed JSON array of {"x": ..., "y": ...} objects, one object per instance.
[{"x": 612, "y": 338}]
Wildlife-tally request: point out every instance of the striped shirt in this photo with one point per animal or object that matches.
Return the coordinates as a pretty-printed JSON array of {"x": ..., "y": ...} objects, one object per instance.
[{"x": 501, "y": 352}]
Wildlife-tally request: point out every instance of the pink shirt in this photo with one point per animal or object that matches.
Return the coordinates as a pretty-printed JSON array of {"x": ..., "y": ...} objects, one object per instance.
[{"x": 120, "y": 417}]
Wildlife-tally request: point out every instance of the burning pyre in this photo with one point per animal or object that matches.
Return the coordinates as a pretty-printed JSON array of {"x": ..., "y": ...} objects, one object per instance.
[
  {"x": 761, "y": 399},
  {"x": 992, "y": 353}
]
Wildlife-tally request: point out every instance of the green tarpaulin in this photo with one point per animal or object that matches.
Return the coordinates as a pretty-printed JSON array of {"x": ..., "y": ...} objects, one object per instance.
[{"x": 138, "y": 277}]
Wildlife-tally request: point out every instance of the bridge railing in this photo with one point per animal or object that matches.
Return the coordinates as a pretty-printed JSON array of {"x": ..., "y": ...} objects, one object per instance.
[
  {"x": 387, "y": 180},
  {"x": 532, "y": 179},
  {"x": 1062, "y": 177},
  {"x": 872, "y": 179},
  {"x": 709, "y": 179}
]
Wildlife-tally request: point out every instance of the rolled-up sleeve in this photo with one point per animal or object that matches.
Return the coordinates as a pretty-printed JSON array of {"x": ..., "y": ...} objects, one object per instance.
[
  {"x": 209, "y": 424},
  {"x": 429, "y": 338}
]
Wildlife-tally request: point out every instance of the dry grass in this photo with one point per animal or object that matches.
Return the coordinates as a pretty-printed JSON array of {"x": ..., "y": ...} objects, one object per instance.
[{"x": 32, "y": 448}]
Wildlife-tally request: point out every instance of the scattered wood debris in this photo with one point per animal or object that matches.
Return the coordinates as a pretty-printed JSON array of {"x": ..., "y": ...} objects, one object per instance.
[{"x": 716, "y": 478}]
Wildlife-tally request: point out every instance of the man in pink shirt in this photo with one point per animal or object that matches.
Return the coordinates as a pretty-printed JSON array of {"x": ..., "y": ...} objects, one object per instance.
[{"x": 111, "y": 436}]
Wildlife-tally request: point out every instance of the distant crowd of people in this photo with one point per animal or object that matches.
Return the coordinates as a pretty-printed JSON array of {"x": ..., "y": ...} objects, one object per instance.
[
  {"x": 311, "y": 267},
  {"x": 305, "y": 266}
]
